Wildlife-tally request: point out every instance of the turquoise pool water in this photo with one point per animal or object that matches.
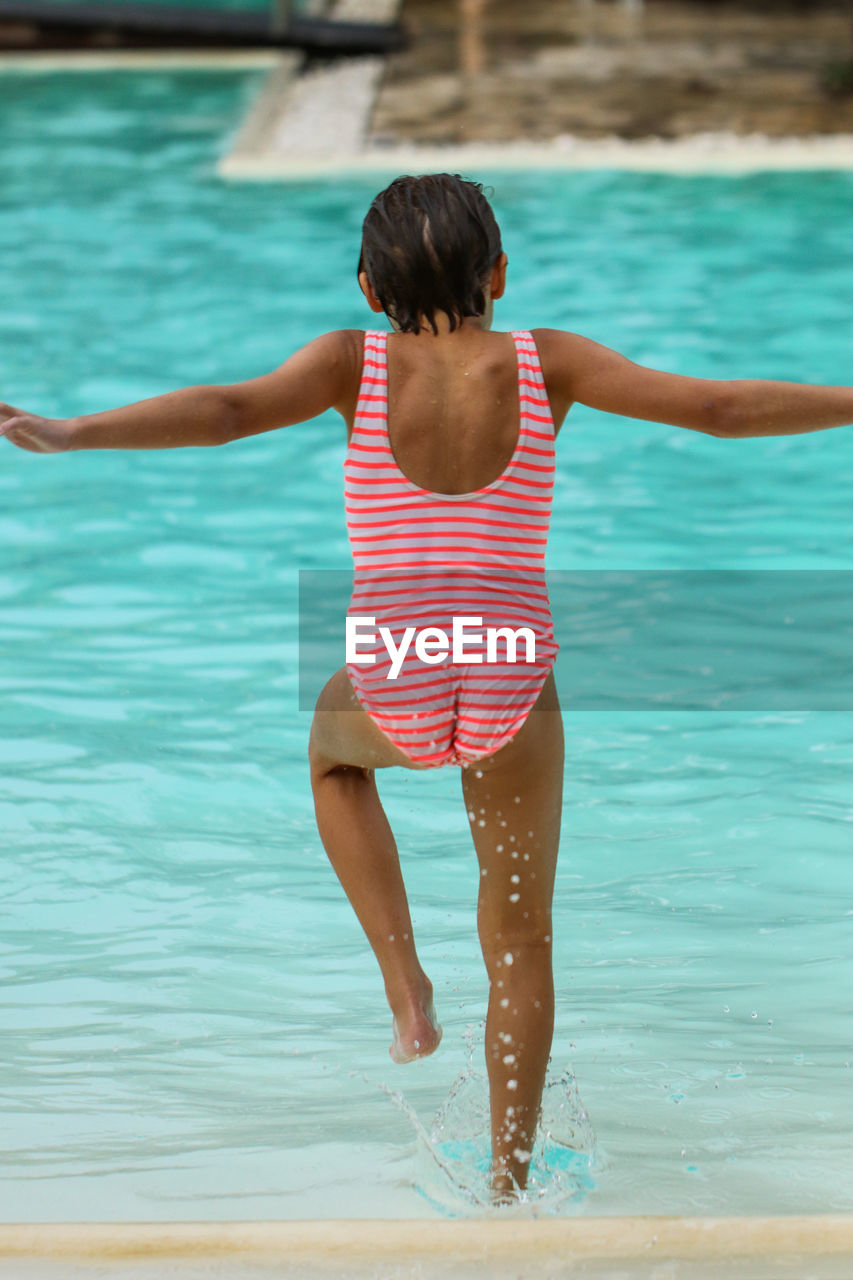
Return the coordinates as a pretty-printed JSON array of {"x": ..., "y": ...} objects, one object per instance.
[{"x": 185, "y": 990}]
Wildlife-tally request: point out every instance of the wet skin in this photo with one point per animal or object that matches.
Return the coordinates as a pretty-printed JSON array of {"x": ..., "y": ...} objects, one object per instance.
[{"x": 513, "y": 800}]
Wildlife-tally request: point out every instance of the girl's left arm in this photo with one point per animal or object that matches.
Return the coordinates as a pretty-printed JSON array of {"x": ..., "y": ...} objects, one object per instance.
[
  {"x": 318, "y": 377},
  {"x": 577, "y": 369}
]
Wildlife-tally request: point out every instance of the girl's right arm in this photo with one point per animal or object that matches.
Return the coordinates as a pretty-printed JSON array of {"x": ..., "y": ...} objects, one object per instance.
[
  {"x": 577, "y": 369},
  {"x": 322, "y": 375}
]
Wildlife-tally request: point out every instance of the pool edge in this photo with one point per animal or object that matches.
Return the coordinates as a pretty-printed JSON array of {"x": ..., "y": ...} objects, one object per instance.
[
  {"x": 718, "y": 154},
  {"x": 483, "y": 1240}
]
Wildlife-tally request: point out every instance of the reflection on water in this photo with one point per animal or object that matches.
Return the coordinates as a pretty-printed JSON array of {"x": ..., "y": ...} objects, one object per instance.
[{"x": 453, "y": 1160}]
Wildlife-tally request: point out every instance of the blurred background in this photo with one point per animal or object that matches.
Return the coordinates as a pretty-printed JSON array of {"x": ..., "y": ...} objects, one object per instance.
[{"x": 474, "y": 70}]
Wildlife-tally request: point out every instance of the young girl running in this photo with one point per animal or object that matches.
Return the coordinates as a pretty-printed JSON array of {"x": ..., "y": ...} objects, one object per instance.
[{"x": 448, "y": 480}]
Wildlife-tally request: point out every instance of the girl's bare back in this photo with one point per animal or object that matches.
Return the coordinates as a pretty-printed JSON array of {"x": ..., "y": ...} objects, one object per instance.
[{"x": 453, "y": 410}]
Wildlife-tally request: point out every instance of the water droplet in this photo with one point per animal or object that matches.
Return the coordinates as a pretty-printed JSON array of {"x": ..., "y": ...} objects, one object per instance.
[
  {"x": 471, "y": 815},
  {"x": 509, "y": 1059},
  {"x": 725, "y": 1008},
  {"x": 390, "y": 937},
  {"x": 512, "y": 1084},
  {"x": 508, "y": 958},
  {"x": 514, "y": 897},
  {"x": 754, "y": 1014},
  {"x": 517, "y": 799},
  {"x": 478, "y": 773},
  {"x": 499, "y": 848},
  {"x": 505, "y": 1002},
  {"x": 481, "y": 822},
  {"x": 515, "y": 879},
  {"x": 484, "y": 872}
]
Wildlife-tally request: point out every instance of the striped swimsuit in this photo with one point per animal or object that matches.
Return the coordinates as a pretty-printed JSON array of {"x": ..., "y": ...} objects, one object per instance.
[{"x": 423, "y": 559}]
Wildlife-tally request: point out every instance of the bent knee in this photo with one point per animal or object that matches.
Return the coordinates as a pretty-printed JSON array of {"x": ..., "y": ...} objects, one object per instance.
[
  {"x": 322, "y": 766},
  {"x": 321, "y": 760}
]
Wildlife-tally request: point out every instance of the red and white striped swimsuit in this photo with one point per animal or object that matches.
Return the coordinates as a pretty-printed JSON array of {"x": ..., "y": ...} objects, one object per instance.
[{"x": 423, "y": 558}]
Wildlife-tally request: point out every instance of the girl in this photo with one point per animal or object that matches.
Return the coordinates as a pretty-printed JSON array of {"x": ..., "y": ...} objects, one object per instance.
[{"x": 448, "y": 479}]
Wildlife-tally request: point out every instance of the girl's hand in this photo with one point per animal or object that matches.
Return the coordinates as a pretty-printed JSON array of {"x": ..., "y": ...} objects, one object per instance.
[{"x": 37, "y": 435}]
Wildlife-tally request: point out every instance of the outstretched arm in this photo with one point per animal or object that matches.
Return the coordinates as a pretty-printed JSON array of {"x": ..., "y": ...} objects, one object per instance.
[
  {"x": 318, "y": 377},
  {"x": 577, "y": 369}
]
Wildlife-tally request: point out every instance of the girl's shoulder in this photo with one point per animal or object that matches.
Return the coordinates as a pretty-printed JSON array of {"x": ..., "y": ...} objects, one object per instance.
[
  {"x": 344, "y": 348},
  {"x": 349, "y": 341},
  {"x": 559, "y": 352}
]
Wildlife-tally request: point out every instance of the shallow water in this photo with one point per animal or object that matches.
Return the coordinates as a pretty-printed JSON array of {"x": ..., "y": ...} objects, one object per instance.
[{"x": 192, "y": 1026}]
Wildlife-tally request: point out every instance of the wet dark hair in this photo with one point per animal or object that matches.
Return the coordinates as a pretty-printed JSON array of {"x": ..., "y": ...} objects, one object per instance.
[{"x": 428, "y": 245}]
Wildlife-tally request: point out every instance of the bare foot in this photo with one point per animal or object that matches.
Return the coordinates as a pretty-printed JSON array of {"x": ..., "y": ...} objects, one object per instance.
[
  {"x": 506, "y": 1187},
  {"x": 504, "y": 1191},
  {"x": 417, "y": 1032}
]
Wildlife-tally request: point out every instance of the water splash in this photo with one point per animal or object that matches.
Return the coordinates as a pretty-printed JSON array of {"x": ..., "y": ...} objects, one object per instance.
[{"x": 453, "y": 1158}]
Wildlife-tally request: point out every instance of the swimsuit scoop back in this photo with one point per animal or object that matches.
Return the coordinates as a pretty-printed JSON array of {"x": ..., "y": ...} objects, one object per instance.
[{"x": 424, "y": 558}]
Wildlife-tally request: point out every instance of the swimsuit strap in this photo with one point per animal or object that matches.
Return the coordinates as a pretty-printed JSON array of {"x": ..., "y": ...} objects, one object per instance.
[
  {"x": 536, "y": 417},
  {"x": 371, "y": 415}
]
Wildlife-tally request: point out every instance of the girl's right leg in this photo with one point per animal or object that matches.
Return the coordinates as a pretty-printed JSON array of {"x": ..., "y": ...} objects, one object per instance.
[
  {"x": 345, "y": 749},
  {"x": 514, "y": 802}
]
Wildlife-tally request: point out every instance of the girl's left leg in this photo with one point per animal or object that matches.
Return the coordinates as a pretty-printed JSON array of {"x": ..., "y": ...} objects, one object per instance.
[
  {"x": 344, "y": 749},
  {"x": 514, "y": 803}
]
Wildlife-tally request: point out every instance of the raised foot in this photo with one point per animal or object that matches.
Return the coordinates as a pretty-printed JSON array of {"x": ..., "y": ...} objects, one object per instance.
[{"x": 416, "y": 1036}]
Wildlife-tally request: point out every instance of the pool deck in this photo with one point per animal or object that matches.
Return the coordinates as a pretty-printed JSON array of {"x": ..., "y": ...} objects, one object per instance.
[
  {"x": 312, "y": 114},
  {"x": 487, "y": 85},
  {"x": 815, "y": 1245},
  {"x": 87, "y": 60}
]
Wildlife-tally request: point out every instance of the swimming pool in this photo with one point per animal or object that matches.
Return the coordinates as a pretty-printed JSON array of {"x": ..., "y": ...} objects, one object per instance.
[{"x": 185, "y": 989}]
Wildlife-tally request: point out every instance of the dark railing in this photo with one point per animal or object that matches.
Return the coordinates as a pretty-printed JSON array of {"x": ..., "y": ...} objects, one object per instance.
[{"x": 164, "y": 25}]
